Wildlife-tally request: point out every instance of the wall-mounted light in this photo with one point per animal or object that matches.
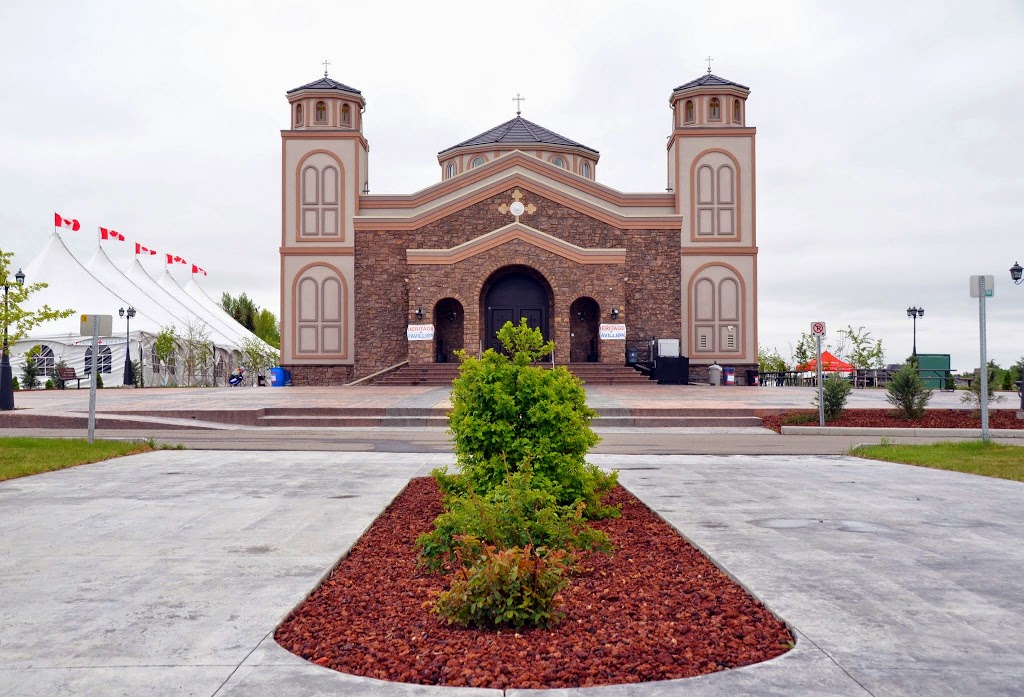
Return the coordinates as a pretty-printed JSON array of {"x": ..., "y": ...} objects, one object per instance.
[
  {"x": 582, "y": 316},
  {"x": 615, "y": 313},
  {"x": 453, "y": 315},
  {"x": 419, "y": 313}
]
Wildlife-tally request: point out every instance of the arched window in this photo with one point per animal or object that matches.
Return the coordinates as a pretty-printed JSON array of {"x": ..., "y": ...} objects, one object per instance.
[
  {"x": 298, "y": 115},
  {"x": 715, "y": 109},
  {"x": 320, "y": 314},
  {"x": 477, "y": 162},
  {"x": 558, "y": 162},
  {"x": 689, "y": 111},
  {"x": 104, "y": 359},
  {"x": 43, "y": 359},
  {"x": 585, "y": 169},
  {"x": 450, "y": 170},
  {"x": 346, "y": 114},
  {"x": 716, "y": 199},
  {"x": 736, "y": 111},
  {"x": 154, "y": 360},
  {"x": 321, "y": 112},
  {"x": 320, "y": 182},
  {"x": 717, "y": 308}
]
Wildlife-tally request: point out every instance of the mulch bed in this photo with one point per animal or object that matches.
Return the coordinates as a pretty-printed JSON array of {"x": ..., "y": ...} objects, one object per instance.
[
  {"x": 656, "y": 609},
  {"x": 886, "y": 418}
]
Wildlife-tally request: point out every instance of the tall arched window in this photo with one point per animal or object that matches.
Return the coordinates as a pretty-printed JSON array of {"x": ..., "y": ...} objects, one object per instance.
[
  {"x": 320, "y": 184},
  {"x": 689, "y": 111},
  {"x": 298, "y": 115},
  {"x": 450, "y": 170},
  {"x": 320, "y": 312},
  {"x": 477, "y": 162},
  {"x": 714, "y": 109},
  {"x": 558, "y": 162},
  {"x": 103, "y": 362},
  {"x": 716, "y": 198},
  {"x": 717, "y": 311},
  {"x": 321, "y": 112},
  {"x": 43, "y": 359},
  {"x": 736, "y": 111},
  {"x": 585, "y": 169},
  {"x": 346, "y": 115}
]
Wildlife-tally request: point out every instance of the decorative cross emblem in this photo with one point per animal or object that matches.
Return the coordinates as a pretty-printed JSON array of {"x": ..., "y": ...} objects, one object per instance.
[
  {"x": 326, "y": 63},
  {"x": 517, "y": 208},
  {"x": 709, "y": 59},
  {"x": 519, "y": 103}
]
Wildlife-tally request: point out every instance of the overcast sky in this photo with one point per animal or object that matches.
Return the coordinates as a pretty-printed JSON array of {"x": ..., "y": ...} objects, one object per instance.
[{"x": 889, "y": 134}]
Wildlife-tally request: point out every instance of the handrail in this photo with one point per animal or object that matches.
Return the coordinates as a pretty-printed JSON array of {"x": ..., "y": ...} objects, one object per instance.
[{"x": 396, "y": 366}]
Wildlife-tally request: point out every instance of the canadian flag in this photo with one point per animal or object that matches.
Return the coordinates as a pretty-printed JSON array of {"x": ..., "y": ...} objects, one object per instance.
[
  {"x": 196, "y": 269},
  {"x": 139, "y": 249},
  {"x": 61, "y": 221},
  {"x": 107, "y": 234},
  {"x": 173, "y": 259}
]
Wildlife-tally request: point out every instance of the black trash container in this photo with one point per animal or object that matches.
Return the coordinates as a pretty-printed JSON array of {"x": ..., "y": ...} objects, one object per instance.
[
  {"x": 632, "y": 356},
  {"x": 753, "y": 377}
]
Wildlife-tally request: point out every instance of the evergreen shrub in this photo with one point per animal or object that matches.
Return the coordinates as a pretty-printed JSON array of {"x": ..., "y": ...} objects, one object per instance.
[
  {"x": 835, "y": 391},
  {"x": 907, "y": 392}
]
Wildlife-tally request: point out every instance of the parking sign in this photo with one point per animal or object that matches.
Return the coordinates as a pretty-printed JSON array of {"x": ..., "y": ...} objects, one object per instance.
[{"x": 818, "y": 328}]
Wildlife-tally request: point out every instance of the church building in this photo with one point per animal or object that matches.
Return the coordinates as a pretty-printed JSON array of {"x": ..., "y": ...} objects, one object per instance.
[{"x": 518, "y": 225}]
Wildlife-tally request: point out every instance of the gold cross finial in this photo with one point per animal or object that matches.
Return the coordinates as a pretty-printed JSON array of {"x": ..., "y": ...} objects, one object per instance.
[
  {"x": 517, "y": 194},
  {"x": 519, "y": 103},
  {"x": 326, "y": 63},
  {"x": 709, "y": 59},
  {"x": 517, "y": 208}
]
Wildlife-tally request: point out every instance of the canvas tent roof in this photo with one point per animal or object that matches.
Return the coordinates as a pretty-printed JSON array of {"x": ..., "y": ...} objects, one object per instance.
[{"x": 829, "y": 364}]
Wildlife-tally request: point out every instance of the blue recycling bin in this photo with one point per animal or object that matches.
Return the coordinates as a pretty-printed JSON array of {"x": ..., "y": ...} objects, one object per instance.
[
  {"x": 728, "y": 376},
  {"x": 279, "y": 377}
]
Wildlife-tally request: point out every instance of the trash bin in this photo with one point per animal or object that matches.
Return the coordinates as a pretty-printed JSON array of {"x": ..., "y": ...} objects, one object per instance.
[
  {"x": 632, "y": 357},
  {"x": 728, "y": 376},
  {"x": 714, "y": 374},
  {"x": 261, "y": 380},
  {"x": 278, "y": 377},
  {"x": 753, "y": 377}
]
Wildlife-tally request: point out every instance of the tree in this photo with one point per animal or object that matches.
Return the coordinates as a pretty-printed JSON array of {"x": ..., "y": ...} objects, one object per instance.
[
  {"x": 266, "y": 328},
  {"x": 257, "y": 358},
  {"x": 241, "y": 308},
  {"x": 195, "y": 343},
  {"x": 859, "y": 350},
  {"x": 166, "y": 341},
  {"x": 19, "y": 320},
  {"x": 770, "y": 361}
]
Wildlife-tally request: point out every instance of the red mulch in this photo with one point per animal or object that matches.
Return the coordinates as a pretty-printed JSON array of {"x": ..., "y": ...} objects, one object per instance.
[
  {"x": 886, "y": 418},
  {"x": 656, "y": 609}
]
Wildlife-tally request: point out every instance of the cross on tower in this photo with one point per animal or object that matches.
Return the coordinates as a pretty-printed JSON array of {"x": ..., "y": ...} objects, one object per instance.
[
  {"x": 518, "y": 100},
  {"x": 326, "y": 63},
  {"x": 709, "y": 59}
]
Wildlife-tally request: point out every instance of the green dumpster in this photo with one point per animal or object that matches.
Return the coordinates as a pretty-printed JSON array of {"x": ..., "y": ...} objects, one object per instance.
[{"x": 934, "y": 369}]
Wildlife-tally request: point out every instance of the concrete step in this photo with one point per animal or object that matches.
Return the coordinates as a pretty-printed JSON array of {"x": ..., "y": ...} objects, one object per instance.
[
  {"x": 353, "y": 421},
  {"x": 678, "y": 422}
]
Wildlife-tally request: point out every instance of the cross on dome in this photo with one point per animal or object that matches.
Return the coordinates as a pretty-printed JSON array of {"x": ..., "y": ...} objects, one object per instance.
[
  {"x": 708, "y": 59},
  {"x": 327, "y": 62},
  {"x": 518, "y": 100}
]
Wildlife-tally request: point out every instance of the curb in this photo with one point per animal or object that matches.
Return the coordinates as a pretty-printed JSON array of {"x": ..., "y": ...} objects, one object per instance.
[{"x": 910, "y": 432}]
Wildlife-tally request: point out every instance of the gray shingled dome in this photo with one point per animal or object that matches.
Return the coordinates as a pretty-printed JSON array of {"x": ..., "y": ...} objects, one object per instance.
[
  {"x": 326, "y": 83},
  {"x": 519, "y": 131},
  {"x": 710, "y": 80}
]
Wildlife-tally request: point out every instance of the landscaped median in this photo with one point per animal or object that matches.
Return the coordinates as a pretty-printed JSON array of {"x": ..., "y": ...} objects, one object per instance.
[
  {"x": 20, "y": 457},
  {"x": 973, "y": 457},
  {"x": 964, "y": 423}
]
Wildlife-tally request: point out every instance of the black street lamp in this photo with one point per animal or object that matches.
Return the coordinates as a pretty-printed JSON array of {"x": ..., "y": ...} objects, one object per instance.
[
  {"x": 915, "y": 312},
  {"x": 6, "y": 376},
  {"x": 1016, "y": 271},
  {"x": 129, "y": 372}
]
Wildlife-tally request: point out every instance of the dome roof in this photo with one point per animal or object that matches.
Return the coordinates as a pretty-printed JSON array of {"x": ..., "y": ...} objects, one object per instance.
[
  {"x": 519, "y": 131},
  {"x": 326, "y": 83},
  {"x": 709, "y": 80}
]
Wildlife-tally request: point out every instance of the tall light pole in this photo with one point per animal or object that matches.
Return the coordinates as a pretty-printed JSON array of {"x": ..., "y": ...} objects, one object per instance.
[
  {"x": 1016, "y": 271},
  {"x": 129, "y": 371},
  {"x": 915, "y": 312},
  {"x": 6, "y": 376}
]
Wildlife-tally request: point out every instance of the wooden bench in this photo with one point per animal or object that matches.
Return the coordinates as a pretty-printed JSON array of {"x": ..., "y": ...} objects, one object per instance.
[{"x": 66, "y": 375}]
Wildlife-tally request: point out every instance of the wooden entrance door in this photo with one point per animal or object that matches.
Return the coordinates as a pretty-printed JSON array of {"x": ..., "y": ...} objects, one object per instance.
[{"x": 509, "y": 299}]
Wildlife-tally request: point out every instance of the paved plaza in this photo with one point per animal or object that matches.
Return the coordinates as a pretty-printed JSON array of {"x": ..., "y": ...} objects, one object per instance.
[{"x": 166, "y": 573}]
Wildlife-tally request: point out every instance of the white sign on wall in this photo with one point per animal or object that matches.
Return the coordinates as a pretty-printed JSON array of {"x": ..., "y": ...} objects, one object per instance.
[
  {"x": 420, "y": 332},
  {"x": 613, "y": 332}
]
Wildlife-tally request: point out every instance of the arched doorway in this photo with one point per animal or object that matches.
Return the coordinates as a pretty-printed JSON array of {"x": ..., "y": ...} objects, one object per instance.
[
  {"x": 512, "y": 293},
  {"x": 449, "y": 330},
  {"x": 584, "y": 321}
]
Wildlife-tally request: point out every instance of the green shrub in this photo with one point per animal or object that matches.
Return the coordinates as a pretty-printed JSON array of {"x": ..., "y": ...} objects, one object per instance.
[
  {"x": 906, "y": 392},
  {"x": 55, "y": 376},
  {"x": 137, "y": 374},
  {"x": 835, "y": 390},
  {"x": 513, "y": 514},
  {"x": 30, "y": 373},
  {"x": 14, "y": 383},
  {"x": 972, "y": 396},
  {"x": 511, "y": 587},
  {"x": 99, "y": 381},
  {"x": 506, "y": 411},
  {"x": 1007, "y": 383},
  {"x": 49, "y": 384}
]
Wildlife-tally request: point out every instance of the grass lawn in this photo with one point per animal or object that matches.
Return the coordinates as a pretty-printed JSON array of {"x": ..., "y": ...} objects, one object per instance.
[
  {"x": 20, "y": 457},
  {"x": 973, "y": 457}
]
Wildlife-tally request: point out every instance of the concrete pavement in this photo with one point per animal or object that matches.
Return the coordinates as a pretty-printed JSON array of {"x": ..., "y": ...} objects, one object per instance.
[{"x": 166, "y": 573}]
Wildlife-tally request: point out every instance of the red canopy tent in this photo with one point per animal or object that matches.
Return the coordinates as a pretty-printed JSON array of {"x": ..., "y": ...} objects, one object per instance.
[{"x": 829, "y": 364}]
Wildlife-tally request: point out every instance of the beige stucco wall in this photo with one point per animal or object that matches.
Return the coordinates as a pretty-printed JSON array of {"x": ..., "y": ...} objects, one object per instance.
[
  {"x": 717, "y": 268},
  {"x": 740, "y": 152}
]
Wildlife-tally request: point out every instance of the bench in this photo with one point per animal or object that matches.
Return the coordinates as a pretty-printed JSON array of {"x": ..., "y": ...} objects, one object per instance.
[{"x": 66, "y": 375}]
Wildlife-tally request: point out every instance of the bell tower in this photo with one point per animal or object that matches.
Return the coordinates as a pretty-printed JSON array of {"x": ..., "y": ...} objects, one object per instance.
[
  {"x": 324, "y": 170},
  {"x": 711, "y": 173}
]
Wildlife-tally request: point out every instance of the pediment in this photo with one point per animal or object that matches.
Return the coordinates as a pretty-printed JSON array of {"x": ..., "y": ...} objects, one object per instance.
[
  {"x": 517, "y": 231},
  {"x": 408, "y": 212}
]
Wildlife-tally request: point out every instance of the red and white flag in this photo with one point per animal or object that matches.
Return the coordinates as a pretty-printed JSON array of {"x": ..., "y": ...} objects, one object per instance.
[
  {"x": 61, "y": 221},
  {"x": 108, "y": 234},
  {"x": 173, "y": 259},
  {"x": 139, "y": 249},
  {"x": 196, "y": 269}
]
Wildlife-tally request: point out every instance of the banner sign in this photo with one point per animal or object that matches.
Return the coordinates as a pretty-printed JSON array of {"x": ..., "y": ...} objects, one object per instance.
[
  {"x": 420, "y": 332},
  {"x": 613, "y": 332},
  {"x": 109, "y": 341}
]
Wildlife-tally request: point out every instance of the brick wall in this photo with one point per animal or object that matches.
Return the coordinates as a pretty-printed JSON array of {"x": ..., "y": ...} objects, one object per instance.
[{"x": 311, "y": 375}]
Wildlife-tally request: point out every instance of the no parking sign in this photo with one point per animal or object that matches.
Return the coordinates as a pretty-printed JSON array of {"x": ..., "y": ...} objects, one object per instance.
[{"x": 818, "y": 328}]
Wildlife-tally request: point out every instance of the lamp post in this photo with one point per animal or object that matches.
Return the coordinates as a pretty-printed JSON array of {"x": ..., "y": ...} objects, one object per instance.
[
  {"x": 915, "y": 312},
  {"x": 6, "y": 376},
  {"x": 129, "y": 371},
  {"x": 1016, "y": 271}
]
